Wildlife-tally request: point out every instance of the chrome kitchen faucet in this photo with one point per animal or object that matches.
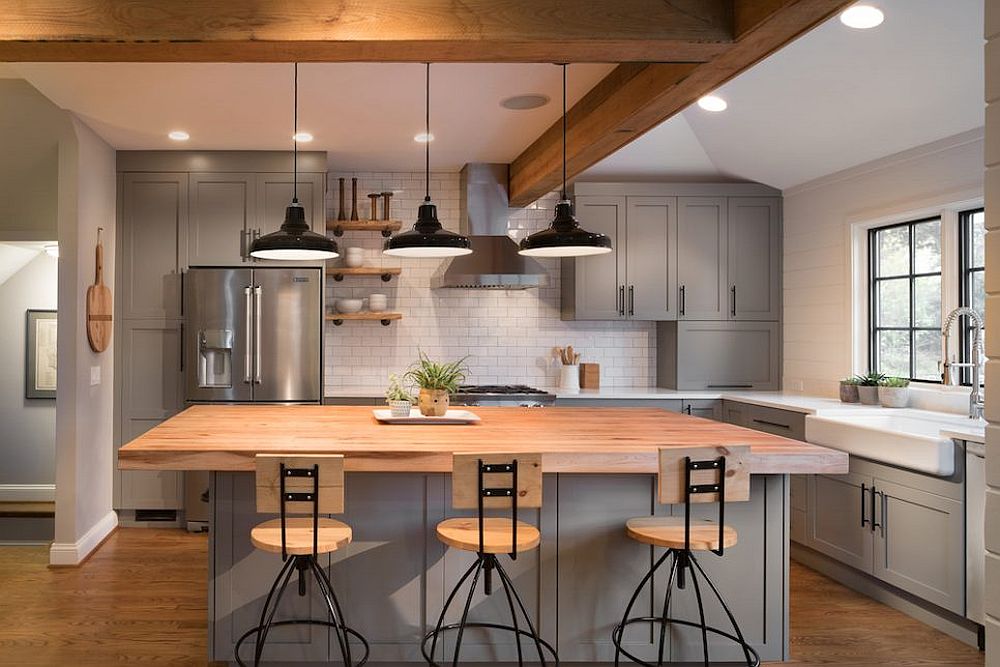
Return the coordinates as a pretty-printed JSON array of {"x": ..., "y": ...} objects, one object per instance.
[{"x": 976, "y": 397}]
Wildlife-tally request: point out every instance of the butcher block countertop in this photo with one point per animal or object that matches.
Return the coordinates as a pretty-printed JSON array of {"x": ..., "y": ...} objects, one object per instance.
[{"x": 585, "y": 440}]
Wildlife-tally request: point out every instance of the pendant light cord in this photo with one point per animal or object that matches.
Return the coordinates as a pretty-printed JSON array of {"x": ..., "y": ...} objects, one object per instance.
[
  {"x": 564, "y": 131},
  {"x": 295, "y": 132},
  {"x": 427, "y": 134}
]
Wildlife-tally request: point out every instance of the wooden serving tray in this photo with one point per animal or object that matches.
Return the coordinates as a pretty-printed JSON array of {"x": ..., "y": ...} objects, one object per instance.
[{"x": 451, "y": 417}]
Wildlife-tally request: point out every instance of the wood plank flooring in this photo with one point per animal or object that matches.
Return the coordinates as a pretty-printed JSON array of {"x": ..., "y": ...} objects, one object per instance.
[{"x": 141, "y": 599}]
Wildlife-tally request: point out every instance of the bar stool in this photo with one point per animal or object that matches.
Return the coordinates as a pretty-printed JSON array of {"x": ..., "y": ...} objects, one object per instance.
[
  {"x": 310, "y": 485},
  {"x": 693, "y": 475},
  {"x": 487, "y": 482}
]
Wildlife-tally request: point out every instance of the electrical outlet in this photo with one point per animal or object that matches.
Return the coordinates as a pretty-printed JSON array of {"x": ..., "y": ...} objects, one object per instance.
[{"x": 95, "y": 375}]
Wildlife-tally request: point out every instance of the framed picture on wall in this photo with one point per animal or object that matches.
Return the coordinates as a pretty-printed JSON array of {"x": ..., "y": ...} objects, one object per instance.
[{"x": 40, "y": 354}]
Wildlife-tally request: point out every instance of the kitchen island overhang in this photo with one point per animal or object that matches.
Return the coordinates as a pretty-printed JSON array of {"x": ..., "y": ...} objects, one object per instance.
[{"x": 600, "y": 471}]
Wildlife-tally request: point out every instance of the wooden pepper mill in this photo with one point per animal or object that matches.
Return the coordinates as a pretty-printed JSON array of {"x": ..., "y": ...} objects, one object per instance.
[
  {"x": 342, "y": 213},
  {"x": 373, "y": 196},
  {"x": 354, "y": 199},
  {"x": 385, "y": 207}
]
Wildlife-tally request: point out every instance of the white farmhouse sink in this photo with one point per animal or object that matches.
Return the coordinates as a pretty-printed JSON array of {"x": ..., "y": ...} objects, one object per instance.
[{"x": 907, "y": 438}]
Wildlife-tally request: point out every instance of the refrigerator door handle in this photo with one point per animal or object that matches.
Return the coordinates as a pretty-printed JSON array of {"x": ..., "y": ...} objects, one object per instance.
[
  {"x": 256, "y": 338},
  {"x": 247, "y": 363}
]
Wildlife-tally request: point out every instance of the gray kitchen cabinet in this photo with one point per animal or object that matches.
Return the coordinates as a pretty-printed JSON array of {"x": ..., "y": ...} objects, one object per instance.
[
  {"x": 594, "y": 287},
  {"x": 720, "y": 355},
  {"x": 786, "y": 423},
  {"x": 707, "y": 408},
  {"x": 274, "y": 192},
  {"x": 754, "y": 258},
  {"x": 650, "y": 258},
  {"x": 840, "y": 512},
  {"x": 223, "y": 210},
  {"x": 669, "y": 404},
  {"x": 734, "y": 412},
  {"x": 798, "y": 497},
  {"x": 920, "y": 544},
  {"x": 154, "y": 210},
  {"x": 702, "y": 245}
]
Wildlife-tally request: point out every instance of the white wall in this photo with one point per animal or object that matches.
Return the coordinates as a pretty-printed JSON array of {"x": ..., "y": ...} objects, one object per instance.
[
  {"x": 818, "y": 217},
  {"x": 28, "y": 438},
  {"x": 509, "y": 334},
  {"x": 84, "y": 465}
]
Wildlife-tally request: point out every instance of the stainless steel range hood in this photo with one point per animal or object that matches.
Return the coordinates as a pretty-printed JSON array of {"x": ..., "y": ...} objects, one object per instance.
[{"x": 494, "y": 262}]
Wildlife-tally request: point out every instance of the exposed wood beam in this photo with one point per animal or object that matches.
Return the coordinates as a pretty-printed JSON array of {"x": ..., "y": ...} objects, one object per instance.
[
  {"x": 365, "y": 30},
  {"x": 634, "y": 98}
]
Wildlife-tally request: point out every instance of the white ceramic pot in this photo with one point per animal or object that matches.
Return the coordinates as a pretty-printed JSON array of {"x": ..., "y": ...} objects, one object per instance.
[
  {"x": 400, "y": 408},
  {"x": 894, "y": 397},
  {"x": 378, "y": 303},
  {"x": 348, "y": 305},
  {"x": 569, "y": 377},
  {"x": 354, "y": 257}
]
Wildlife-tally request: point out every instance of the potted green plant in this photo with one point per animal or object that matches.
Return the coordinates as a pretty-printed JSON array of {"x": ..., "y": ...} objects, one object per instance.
[
  {"x": 399, "y": 398},
  {"x": 437, "y": 381},
  {"x": 868, "y": 387},
  {"x": 849, "y": 390},
  {"x": 894, "y": 392}
]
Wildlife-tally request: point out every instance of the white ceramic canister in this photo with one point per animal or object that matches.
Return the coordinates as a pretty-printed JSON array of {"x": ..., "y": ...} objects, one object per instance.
[
  {"x": 354, "y": 257},
  {"x": 378, "y": 303},
  {"x": 569, "y": 377}
]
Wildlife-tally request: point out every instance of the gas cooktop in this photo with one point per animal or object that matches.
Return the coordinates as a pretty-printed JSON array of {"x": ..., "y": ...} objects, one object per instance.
[
  {"x": 510, "y": 395},
  {"x": 498, "y": 389}
]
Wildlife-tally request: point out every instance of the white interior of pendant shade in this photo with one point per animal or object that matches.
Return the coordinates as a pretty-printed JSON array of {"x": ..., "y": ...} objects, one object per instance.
[
  {"x": 565, "y": 251},
  {"x": 291, "y": 254},
  {"x": 427, "y": 252}
]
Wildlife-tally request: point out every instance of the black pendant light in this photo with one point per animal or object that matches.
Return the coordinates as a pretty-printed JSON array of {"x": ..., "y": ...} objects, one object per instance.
[
  {"x": 427, "y": 238},
  {"x": 564, "y": 237},
  {"x": 294, "y": 241}
]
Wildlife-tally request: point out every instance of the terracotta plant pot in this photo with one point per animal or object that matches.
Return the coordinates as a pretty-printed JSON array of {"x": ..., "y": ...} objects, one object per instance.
[
  {"x": 894, "y": 397},
  {"x": 848, "y": 393},
  {"x": 434, "y": 402},
  {"x": 868, "y": 395}
]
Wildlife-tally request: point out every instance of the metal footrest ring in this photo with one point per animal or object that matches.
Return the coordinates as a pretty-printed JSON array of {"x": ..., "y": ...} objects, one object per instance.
[
  {"x": 493, "y": 626},
  {"x": 328, "y": 624},
  {"x": 616, "y": 637}
]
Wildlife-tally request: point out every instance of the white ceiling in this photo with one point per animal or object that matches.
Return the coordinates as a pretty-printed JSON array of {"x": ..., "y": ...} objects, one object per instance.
[
  {"x": 833, "y": 99},
  {"x": 364, "y": 115},
  {"x": 14, "y": 256}
]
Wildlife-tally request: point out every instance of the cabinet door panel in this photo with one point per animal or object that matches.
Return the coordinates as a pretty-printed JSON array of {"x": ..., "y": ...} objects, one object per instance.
[
  {"x": 706, "y": 408},
  {"x": 701, "y": 257},
  {"x": 598, "y": 280},
  {"x": 650, "y": 258},
  {"x": 223, "y": 206},
  {"x": 754, "y": 258},
  {"x": 920, "y": 546},
  {"x": 836, "y": 503},
  {"x": 728, "y": 355},
  {"x": 154, "y": 225}
]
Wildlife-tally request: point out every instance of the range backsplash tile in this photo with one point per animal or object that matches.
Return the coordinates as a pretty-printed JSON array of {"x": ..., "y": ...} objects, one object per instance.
[{"x": 509, "y": 336}]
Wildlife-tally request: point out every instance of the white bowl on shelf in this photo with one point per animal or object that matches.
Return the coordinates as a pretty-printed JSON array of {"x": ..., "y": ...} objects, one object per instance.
[{"x": 348, "y": 305}]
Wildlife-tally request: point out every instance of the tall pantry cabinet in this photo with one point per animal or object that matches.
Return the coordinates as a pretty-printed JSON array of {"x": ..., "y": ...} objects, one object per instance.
[
  {"x": 701, "y": 260},
  {"x": 179, "y": 209}
]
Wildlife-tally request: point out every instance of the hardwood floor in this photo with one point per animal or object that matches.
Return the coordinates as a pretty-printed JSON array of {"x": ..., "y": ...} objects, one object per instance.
[{"x": 141, "y": 598}]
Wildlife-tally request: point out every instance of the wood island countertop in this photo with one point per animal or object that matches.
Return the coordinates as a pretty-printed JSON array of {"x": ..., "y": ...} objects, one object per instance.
[{"x": 572, "y": 440}]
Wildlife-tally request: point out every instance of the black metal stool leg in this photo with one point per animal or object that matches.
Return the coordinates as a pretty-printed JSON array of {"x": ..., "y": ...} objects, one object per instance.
[
  {"x": 437, "y": 628},
  {"x": 751, "y": 659},
  {"x": 619, "y": 630},
  {"x": 509, "y": 585},
  {"x": 265, "y": 616},
  {"x": 666, "y": 608},
  {"x": 333, "y": 606},
  {"x": 465, "y": 613},
  {"x": 513, "y": 618},
  {"x": 701, "y": 614}
]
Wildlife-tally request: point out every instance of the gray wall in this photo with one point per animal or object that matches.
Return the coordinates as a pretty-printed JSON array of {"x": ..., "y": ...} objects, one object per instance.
[{"x": 28, "y": 438}]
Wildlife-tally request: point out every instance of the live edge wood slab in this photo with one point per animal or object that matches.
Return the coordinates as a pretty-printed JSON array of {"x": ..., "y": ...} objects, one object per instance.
[{"x": 571, "y": 440}]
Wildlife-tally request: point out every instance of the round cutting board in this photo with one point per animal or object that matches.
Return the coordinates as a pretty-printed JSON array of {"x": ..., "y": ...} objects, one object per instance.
[{"x": 99, "y": 307}]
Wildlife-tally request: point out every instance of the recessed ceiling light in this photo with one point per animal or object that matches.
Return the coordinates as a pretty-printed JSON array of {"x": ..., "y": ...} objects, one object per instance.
[
  {"x": 712, "y": 103},
  {"x": 179, "y": 135},
  {"x": 423, "y": 138},
  {"x": 862, "y": 17},
  {"x": 302, "y": 137},
  {"x": 525, "y": 102}
]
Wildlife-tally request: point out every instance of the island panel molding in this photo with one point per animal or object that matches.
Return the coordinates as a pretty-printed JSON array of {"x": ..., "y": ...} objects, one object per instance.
[{"x": 579, "y": 440}]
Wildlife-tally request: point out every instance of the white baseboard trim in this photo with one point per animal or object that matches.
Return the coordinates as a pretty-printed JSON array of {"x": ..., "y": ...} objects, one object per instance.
[
  {"x": 27, "y": 493},
  {"x": 73, "y": 553}
]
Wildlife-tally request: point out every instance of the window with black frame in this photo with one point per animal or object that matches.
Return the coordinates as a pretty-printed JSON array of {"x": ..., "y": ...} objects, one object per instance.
[
  {"x": 972, "y": 265},
  {"x": 905, "y": 299}
]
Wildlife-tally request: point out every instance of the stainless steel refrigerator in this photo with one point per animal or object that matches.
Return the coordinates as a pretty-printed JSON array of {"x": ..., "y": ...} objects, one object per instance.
[{"x": 250, "y": 336}]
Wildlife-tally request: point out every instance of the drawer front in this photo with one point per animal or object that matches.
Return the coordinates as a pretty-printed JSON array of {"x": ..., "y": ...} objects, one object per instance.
[{"x": 778, "y": 422}]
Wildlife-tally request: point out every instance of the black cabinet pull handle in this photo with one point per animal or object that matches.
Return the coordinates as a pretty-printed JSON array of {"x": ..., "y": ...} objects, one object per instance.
[
  {"x": 729, "y": 386},
  {"x": 688, "y": 409},
  {"x": 683, "y": 300},
  {"x": 621, "y": 301},
  {"x": 733, "y": 290},
  {"x": 631, "y": 300},
  {"x": 767, "y": 423},
  {"x": 182, "y": 347},
  {"x": 874, "y": 522},
  {"x": 864, "y": 498}
]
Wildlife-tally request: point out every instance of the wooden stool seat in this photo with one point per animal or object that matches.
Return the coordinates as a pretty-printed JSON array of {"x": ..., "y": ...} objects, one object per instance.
[
  {"x": 332, "y": 535},
  {"x": 464, "y": 534},
  {"x": 669, "y": 532}
]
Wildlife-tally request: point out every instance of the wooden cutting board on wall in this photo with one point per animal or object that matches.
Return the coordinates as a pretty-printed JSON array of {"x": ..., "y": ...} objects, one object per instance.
[{"x": 99, "y": 305}]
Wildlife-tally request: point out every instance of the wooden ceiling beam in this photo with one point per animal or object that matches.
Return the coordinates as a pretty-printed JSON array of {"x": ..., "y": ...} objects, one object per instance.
[
  {"x": 635, "y": 98},
  {"x": 365, "y": 30}
]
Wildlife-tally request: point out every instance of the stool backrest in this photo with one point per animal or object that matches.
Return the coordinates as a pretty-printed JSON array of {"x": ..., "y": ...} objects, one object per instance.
[
  {"x": 673, "y": 473},
  {"x": 320, "y": 476}
]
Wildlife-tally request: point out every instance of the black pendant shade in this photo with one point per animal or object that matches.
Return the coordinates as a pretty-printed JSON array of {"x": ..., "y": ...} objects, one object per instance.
[
  {"x": 294, "y": 241},
  {"x": 427, "y": 238},
  {"x": 564, "y": 237}
]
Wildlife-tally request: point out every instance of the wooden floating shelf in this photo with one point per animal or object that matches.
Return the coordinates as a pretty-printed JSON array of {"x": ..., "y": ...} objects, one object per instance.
[
  {"x": 387, "y": 272},
  {"x": 385, "y": 318},
  {"x": 386, "y": 227}
]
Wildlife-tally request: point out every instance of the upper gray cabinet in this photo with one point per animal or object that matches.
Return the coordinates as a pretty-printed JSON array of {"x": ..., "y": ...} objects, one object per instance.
[
  {"x": 223, "y": 211},
  {"x": 636, "y": 281},
  {"x": 154, "y": 224},
  {"x": 274, "y": 192},
  {"x": 682, "y": 252},
  {"x": 754, "y": 258}
]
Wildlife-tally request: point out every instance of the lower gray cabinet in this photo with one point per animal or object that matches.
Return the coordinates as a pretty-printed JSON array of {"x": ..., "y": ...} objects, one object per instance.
[
  {"x": 707, "y": 408},
  {"x": 786, "y": 423},
  {"x": 902, "y": 527}
]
